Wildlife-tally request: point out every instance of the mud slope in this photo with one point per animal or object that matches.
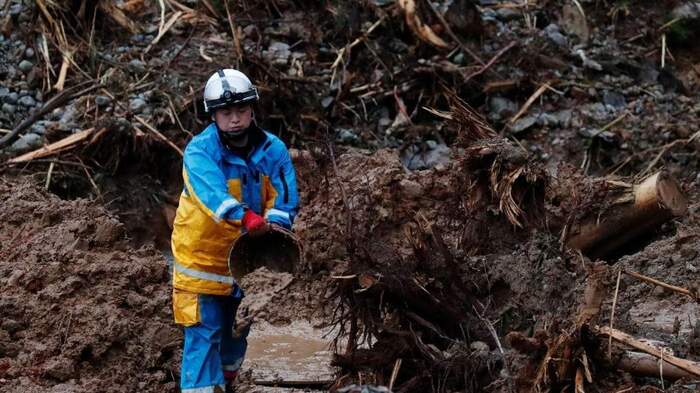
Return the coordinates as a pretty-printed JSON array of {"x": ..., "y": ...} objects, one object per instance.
[{"x": 81, "y": 311}]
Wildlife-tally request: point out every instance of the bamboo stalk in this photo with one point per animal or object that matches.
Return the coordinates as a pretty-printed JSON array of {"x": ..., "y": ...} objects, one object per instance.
[
  {"x": 656, "y": 200},
  {"x": 620, "y": 336}
]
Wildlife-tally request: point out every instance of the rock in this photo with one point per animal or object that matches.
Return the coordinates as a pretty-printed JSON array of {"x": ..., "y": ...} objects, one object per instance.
[
  {"x": 137, "y": 38},
  {"x": 102, "y": 101},
  {"x": 605, "y": 136},
  {"x": 547, "y": 119},
  {"x": 523, "y": 124},
  {"x": 137, "y": 66},
  {"x": 8, "y": 347},
  {"x": 346, "y": 136},
  {"x": 688, "y": 10},
  {"x": 12, "y": 98},
  {"x": 500, "y": 108},
  {"x": 507, "y": 14},
  {"x": 66, "y": 126},
  {"x": 27, "y": 101},
  {"x": 574, "y": 22},
  {"x": 278, "y": 53},
  {"x": 326, "y": 101},
  {"x": 410, "y": 188},
  {"x": 25, "y": 66},
  {"x": 136, "y": 105},
  {"x": 588, "y": 63},
  {"x": 39, "y": 128},
  {"x": 11, "y": 326},
  {"x": 4, "y": 91},
  {"x": 564, "y": 117},
  {"x": 60, "y": 368},
  {"x": 9, "y": 108},
  {"x": 553, "y": 33},
  {"x": 29, "y": 53},
  {"x": 26, "y": 142},
  {"x": 479, "y": 346},
  {"x": 15, "y": 9},
  {"x": 425, "y": 156},
  {"x": 613, "y": 99}
]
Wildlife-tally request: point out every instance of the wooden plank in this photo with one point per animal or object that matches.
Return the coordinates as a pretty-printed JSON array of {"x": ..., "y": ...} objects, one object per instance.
[{"x": 53, "y": 148}]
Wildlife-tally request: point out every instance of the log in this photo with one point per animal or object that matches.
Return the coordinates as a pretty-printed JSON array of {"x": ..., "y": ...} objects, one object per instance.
[
  {"x": 644, "y": 365},
  {"x": 656, "y": 200}
]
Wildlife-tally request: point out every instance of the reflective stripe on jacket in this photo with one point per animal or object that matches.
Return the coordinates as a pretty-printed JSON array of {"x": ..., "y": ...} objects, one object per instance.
[{"x": 218, "y": 185}]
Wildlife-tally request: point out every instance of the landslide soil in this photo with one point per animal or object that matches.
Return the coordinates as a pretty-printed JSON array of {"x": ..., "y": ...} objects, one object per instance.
[{"x": 85, "y": 301}]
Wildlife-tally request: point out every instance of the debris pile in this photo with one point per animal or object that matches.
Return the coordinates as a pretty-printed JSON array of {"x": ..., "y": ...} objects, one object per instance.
[{"x": 452, "y": 251}]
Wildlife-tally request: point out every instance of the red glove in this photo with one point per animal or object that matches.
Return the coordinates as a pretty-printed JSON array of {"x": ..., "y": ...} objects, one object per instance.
[{"x": 253, "y": 223}]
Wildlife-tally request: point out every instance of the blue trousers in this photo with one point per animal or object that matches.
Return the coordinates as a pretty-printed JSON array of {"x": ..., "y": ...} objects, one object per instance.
[{"x": 211, "y": 352}]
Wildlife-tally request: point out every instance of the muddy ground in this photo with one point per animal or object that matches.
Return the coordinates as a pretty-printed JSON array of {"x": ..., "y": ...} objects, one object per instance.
[{"x": 84, "y": 271}]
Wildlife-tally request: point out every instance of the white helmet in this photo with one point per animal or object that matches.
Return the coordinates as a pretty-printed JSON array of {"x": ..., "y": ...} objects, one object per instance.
[{"x": 228, "y": 87}]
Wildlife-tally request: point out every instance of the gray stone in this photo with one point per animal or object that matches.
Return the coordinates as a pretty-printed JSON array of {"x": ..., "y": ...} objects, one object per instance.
[
  {"x": 39, "y": 128},
  {"x": 137, "y": 105},
  {"x": 614, "y": 99},
  {"x": 27, "y": 101},
  {"x": 523, "y": 124},
  {"x": 688, "y": 10},
  {"x": 9, "y": 108},
  {"x": 278, "y": 53},
  {"x": 326, "y": 101},
  {"x": 500, "y": 107},
  {"x": 26, "y": 142},
  {"x": 137, "y": 38},
  {"x": 346, "y": 136},
  {"x": 588, "y": 63},
  {"x": 4, "y": 91},
  {"x": 102, "y": 101},
  {"x": 507, "y": 14},
  {"x": 564, "y": 117},
  {"x": 25, "y": 66},
  {"x": 29, "y": 53},
  {"x": 425, "y": 156},
  {"x": 553, "y": 33},
  {"x": 12, "y": 98},
  {"x": 547, "y": 119},
  {"x": 479, "y": 346},
  {"x": 137, "y": 65},
  {"x": 15, "y": 9}
]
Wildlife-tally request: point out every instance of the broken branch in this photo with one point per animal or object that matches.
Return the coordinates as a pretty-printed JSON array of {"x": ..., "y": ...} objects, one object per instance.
[{"x": 654, "y": 281}]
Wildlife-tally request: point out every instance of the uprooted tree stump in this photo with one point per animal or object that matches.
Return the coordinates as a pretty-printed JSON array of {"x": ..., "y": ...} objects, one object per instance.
[{"x": 641, "y": 209}]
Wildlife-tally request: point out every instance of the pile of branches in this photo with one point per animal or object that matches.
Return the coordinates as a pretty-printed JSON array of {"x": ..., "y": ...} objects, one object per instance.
[{"x": 417, "y": 323}]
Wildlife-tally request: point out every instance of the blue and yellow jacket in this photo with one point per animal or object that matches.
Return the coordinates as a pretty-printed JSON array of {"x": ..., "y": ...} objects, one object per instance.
[{"x": 218, "y": 186}]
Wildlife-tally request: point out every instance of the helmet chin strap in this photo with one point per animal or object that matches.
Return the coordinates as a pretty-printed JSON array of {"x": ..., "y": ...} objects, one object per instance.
[{"x": 234, "y": 140}]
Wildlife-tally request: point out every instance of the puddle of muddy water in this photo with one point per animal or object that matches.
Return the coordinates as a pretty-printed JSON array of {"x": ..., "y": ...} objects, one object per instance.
[{"x": 296, "y": 352}]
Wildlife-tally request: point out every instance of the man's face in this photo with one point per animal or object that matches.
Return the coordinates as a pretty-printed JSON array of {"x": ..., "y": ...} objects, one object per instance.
[{"x": 234, "y": 119}]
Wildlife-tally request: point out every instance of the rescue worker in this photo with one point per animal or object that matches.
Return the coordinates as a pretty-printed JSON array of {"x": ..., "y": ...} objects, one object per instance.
[{"x": 238, "y": 178}]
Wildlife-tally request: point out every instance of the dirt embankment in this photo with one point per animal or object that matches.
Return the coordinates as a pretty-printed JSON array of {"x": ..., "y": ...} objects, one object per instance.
[{"x": 81, "y": 310}]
